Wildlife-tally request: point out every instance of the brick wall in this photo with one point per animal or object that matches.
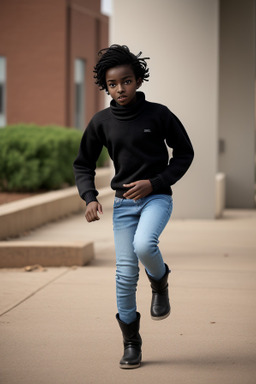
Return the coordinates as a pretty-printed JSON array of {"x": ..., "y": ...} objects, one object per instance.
[{"x": 40, "y": 40}]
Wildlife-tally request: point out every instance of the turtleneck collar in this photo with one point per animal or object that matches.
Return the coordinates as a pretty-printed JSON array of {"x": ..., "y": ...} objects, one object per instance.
[{"x": 128, "y": 112}]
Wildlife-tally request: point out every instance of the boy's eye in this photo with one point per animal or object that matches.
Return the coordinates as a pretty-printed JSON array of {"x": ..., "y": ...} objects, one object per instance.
[
  {"x": 111, "y": 85},
  {"x": 128, "y": 82}
]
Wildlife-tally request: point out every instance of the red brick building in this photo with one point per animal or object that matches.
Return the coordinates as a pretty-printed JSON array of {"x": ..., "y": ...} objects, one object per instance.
[{"x": 47, "y": 52}]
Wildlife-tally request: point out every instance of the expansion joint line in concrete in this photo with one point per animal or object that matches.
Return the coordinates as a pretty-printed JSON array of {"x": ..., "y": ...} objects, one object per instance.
[{"x": 34, "y": 293}]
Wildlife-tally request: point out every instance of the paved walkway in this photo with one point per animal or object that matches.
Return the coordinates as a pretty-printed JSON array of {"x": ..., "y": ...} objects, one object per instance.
[{"x": 58, "y": 325}]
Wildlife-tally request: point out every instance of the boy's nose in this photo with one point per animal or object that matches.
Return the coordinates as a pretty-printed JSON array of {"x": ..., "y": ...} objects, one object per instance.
[{"x": 120, "y": 88}]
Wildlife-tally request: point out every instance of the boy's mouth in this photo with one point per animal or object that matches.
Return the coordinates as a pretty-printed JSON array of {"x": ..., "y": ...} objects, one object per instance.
[{"x": 120, "y": 98}]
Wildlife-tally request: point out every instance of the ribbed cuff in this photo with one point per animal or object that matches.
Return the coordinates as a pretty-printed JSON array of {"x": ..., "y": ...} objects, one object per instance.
[
  {"x": 89, "y": 197},
  {"x": 156, "y": 183}
]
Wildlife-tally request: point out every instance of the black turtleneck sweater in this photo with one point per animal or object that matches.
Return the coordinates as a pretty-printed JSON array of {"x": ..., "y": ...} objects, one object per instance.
[{"x": 136, "y": 138}]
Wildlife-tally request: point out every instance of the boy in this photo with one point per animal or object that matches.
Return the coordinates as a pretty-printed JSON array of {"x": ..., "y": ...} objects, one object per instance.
[{"x": 135, "y": 133}]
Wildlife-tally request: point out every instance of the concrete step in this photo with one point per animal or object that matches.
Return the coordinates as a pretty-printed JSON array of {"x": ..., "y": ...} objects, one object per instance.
[
  {"x": 17, "y": 219},
  {"x": 24, "y": 215},
  {"x": 45, "y": 254}
]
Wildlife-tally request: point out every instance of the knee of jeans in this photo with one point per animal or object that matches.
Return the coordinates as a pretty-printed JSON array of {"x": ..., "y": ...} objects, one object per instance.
[
  {"x": 127, "y": 282},
  {"x": 144, "y": 247}
]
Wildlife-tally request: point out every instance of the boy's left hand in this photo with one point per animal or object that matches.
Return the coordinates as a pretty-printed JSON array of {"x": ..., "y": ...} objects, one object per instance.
[{"x": 138, "y": 189}]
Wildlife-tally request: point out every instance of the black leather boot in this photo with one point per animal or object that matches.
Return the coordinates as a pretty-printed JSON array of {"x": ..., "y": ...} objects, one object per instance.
[
  {"x": 132, "y": 343},
  {"x": 160, "y": 305}
]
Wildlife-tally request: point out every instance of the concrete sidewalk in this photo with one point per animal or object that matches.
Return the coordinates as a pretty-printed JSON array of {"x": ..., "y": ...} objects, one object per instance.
[{"x": 58, "y": 325}]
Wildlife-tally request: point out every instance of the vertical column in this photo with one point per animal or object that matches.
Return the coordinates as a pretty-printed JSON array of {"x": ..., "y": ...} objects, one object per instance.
[
  {"x": 237, "y": 101},
  {"x": 182, "y": 39}
]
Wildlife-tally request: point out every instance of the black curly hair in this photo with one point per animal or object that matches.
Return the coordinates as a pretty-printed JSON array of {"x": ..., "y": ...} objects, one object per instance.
[{"x": 119, "y": 55}]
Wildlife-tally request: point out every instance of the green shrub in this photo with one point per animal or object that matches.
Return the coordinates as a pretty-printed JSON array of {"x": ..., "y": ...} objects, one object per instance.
[{"x": 36, "y": 158}]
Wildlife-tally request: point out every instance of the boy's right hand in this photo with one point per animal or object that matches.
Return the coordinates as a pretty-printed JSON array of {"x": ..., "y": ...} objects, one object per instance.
[{"x": 91, "y": 212}]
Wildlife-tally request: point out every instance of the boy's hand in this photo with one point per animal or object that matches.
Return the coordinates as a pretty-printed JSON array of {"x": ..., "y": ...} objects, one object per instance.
[
  {"x": 138, "y": 189},
  {"x": 91, "y": 212}
]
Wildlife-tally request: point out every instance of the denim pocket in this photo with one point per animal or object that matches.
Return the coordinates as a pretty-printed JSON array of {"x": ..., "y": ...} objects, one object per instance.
[{"x": 117, "y": 202}]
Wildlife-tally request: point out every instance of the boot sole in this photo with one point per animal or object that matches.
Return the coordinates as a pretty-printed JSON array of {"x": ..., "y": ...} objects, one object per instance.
[
  {"x": 131, "y": 366},
  {"x": 160, "y": 317},
  {"x": 127, "y": 366}
]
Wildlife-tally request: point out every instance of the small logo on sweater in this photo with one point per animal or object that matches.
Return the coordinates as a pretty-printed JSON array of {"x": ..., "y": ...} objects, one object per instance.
[{"x": 147, "y": 130}]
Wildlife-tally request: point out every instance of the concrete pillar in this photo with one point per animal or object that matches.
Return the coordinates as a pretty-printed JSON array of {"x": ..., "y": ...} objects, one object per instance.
[
  {"x": 181, "y": 38},
  {"x": 237, "y": 101}
]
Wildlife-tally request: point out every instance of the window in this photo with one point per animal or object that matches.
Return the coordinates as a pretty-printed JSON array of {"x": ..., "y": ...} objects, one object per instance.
[
  {"x": 79, "y": 118},
  {"x": 2, "y": 91},
  {"x": 106, "y": 7}
]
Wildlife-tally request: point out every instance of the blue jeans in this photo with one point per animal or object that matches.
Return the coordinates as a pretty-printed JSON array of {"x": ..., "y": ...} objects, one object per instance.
[{"x": 137, "y": 227}]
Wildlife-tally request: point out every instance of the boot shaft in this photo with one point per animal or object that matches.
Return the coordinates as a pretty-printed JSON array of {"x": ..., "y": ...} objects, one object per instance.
[
  {"x": 159, "y": 286},
  {"x": 130, "y": 331}
]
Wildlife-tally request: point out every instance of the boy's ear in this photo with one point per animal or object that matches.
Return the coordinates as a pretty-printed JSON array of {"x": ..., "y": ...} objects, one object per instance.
[{"x": 139, "y": 82}]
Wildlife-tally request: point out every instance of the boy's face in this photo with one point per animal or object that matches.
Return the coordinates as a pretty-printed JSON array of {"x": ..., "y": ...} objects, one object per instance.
[{"x": 122, "y": 84}]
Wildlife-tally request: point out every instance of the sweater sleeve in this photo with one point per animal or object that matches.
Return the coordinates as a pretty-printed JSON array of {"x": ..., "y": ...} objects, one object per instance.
[
  {"x": 182, "y": 153},
  {"x": 85, "y": 163}
]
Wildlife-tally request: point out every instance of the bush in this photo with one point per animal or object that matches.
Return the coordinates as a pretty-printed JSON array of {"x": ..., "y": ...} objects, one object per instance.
[{"x": 36, "y": 158}]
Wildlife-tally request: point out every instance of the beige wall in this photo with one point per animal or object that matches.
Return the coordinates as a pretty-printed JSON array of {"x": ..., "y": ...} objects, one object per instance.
[{"x": 181, "y": 37}]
